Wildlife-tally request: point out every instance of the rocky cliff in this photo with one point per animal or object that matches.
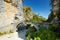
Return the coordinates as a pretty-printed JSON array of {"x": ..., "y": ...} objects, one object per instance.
[
  {"x": 28, "y": 13},
  {"x": 54, "y": 16},
  {"x": 11, "y": 14}
]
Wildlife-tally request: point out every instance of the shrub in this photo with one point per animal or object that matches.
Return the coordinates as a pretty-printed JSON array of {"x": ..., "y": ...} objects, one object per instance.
[
  {"x": 31, "y": 30},
  {"x": 41, "y": 34},
  {"x": 55, "y": 29},
  {"x": 51, "y": 27},
  {"x": 37, "y": 38}
]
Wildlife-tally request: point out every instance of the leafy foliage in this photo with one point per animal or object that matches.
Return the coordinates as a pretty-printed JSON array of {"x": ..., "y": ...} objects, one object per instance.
[
  {"x": 29, "y": 15},
  {"x": 37, "y": 18},
  {"x": 55, "y": 29},
  {"x": 42, "y": 34}
]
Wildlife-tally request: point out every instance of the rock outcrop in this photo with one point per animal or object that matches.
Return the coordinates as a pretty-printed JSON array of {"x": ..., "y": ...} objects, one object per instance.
[
  {"x": 11, "y": 14},
  {"x": 55, "y": 11},
  {"x": 28, "y": 14}
]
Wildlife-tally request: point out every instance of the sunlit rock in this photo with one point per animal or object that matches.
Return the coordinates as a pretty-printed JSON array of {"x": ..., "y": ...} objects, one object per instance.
[{"x": 10, "y": 15}]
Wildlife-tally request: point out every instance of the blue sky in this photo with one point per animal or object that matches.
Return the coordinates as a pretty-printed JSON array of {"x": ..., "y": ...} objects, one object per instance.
[{"x": 39, "y": 6}]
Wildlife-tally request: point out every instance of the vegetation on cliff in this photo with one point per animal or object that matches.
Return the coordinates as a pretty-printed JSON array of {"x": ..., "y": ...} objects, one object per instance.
[
  {"x": 31, "y": 16},
  {"x": 41, "y": 34},
  {"x": 55, "y": 27},
  {"x": 28, "y": 14},
  {"x": 37, "y": 18}
]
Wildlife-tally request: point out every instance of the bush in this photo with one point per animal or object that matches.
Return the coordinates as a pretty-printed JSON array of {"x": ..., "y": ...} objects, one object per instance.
[
  {"x": 31, "y": 30},
  {"x": 55, "y": 29},
  {"x": 42, "y": 34},
  {"x": 37, "y": 38},
  {"x": 51, "y": 27}
]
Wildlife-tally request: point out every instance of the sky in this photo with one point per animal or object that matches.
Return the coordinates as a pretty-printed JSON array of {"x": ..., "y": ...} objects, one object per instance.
[{"x": 41, "y": 7}]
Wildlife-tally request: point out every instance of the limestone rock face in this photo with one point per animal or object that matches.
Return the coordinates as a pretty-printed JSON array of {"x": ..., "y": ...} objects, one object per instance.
[
  {"x": 11, "y": 14},
  {"x": 28, "y": 14},
  {"x": 53, "y": 17},
  {"x": 8, "y": 1}
]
